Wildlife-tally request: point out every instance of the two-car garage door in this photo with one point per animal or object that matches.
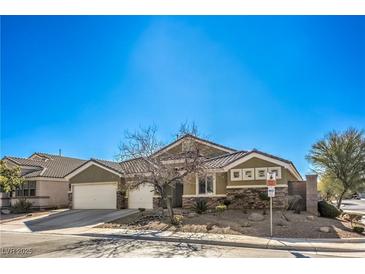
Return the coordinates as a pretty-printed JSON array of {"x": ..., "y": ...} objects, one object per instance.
[
  {"x": 95, "y": 196},
  {"x": 104, "y": 196}
]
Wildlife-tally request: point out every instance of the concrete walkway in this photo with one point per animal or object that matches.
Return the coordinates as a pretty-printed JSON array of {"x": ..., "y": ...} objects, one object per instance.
[{"x": 315, "y": 245}]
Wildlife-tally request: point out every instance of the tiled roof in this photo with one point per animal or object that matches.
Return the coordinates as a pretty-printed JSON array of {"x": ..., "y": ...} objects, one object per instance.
[
  {"x": 138, "y": 165},
  {"x": 110, "y": 164},
  {"x": 223, "y": 160},
  {"x": 54, "y": 167}
]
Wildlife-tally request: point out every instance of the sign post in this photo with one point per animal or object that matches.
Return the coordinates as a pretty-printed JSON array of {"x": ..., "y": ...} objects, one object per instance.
[{"x": 271, "y": 183}]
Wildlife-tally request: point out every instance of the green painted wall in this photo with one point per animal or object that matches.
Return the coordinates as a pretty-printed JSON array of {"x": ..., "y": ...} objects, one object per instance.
[
  {"x": 94, "y": 174},
  {"x": 190, "y": 184},
  {"x": 255, "y": 163},
  {"x": 204, "y": 150}
]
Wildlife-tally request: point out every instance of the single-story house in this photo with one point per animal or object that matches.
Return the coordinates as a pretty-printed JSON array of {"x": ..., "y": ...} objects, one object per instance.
[
  {"x": 240, "y": 176},
  {"x": 45, "y": 185},
  {"x": 235, "y": 175}
]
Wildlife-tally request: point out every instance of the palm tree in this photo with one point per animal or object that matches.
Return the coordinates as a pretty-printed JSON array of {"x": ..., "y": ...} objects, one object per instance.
[{"x": 341, "y": 156}]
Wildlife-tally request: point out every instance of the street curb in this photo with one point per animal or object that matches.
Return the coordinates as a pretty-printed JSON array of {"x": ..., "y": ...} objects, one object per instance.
[{"x": 312, "y": 248}]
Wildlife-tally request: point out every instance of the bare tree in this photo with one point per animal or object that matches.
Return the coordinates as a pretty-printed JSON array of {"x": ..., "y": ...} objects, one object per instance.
[
  {"x": 188, "y": 128},
  {"x": 161, "y": 170}
]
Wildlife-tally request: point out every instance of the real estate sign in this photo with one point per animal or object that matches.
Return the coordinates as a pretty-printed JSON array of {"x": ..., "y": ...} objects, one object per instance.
[{"x": 271, "y": 179}]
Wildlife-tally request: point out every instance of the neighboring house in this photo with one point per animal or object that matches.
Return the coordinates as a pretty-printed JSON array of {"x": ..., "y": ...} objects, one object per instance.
[
  {"x": 45, "y": 185},
  {"x": 235, "y": 175}
]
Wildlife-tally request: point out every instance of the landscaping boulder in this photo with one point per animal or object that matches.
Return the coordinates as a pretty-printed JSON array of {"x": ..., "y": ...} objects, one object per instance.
[
  {"x": 246, "y": 224},
  {"x": 256, "y": 217},
  {"x": 310, "y": 218},
  {"x": 192, "y": 215},
  {"x": 5, "y": 211},
  {"x": 325, "y": 229},
  {"x": 282, "y": 223}
]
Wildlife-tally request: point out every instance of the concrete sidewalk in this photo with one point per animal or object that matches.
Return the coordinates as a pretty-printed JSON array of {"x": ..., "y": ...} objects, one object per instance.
[{"x": 316, "y": 245}]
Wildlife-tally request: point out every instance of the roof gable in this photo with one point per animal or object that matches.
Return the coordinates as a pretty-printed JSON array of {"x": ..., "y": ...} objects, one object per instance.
[
  {"x": 174, "y": 147},
  {"x": 226, "y": 162}
]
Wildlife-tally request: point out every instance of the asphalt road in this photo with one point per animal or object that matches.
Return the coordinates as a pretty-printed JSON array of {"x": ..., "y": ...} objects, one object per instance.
[
  {"x": 354, "y": 205},
  {"x": 19, "y": 244}
]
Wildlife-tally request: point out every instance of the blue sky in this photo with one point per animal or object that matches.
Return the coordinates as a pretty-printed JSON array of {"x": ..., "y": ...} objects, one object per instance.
[{"x": 275, "y": 83}]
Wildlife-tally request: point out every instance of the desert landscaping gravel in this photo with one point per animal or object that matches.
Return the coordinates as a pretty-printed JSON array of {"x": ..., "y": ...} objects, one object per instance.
[{"x": 237, "y": 222}]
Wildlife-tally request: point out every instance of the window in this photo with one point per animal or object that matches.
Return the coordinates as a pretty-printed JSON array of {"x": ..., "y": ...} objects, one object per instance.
[
  {"x": 206, "y": 185},
  {"x": 236, "y": 174},
  {"x": 248, "y": 173},
  {"x": 27, "y": 189},
  {"x": 276, "y": 170},
  {"x": 260, "y": 173}
]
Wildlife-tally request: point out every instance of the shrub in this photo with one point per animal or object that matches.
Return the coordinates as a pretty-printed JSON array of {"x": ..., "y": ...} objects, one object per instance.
[
  {"x": 227, "y": 202},
  {"x": 296, "y": 203},
  {"x": 200, "y": 206},
  {"x": 358, "y": 229},
  {"x": 325, "y": 209},
  {"x": 21, "y": 206},
  {"x": 177, "y": 220},
  {"x": 220, "y": 208}
]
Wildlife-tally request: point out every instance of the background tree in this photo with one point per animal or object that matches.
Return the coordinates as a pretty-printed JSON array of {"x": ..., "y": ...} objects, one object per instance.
[
  {"x": 160, "y": 172},
  {"x": 342, "y": 157},
  {"x": 10, "y": 178},
  {"x": 330, "y": 188}
]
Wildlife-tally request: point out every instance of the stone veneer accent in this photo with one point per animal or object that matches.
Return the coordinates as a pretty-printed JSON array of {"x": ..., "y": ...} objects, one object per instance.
[
  {"x": 156, "y": 202},
  {"x": 312, "y": 194},
  {"x": 122, "y": 200},
  {"x": 212, "y": 202},
  {"x": 69, "y": 194},
  {"x": 248, "y": 198}
]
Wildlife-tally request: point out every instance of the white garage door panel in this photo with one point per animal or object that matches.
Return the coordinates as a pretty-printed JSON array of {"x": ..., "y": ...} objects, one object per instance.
[
  {"x": 141, "y": 197},
  {"x": 95, "y": 196}
]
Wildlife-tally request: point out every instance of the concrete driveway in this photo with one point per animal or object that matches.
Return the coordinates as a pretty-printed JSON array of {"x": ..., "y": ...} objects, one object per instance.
[{"x": 66, "y": 222}]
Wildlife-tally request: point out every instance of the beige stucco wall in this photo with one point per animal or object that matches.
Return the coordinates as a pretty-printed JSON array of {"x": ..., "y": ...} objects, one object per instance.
[
  {"x": 49, "y": 194},
  {"x": 255, "y": 163},
  {"x": 95, "y": 174},
  {"x": 57, "y": 192}
]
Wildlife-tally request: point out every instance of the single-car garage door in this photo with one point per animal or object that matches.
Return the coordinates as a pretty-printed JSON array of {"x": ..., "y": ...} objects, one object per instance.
[
  {"x": 95, "y": 196},
  {"x": 141, "y": 197}
]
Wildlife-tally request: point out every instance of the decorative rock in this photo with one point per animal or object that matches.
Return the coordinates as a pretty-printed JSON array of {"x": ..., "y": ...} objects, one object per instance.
[
  {"x": 256, "y": 217},
  {"x": 282, "y": 222},
  {"x": 246, "y": 224},
  {"x": 192, "y": 214},
  {"x": 310, "y": 218},
  {"x": 5, "y": 211},
  {"x": 325, "y": 229}
]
